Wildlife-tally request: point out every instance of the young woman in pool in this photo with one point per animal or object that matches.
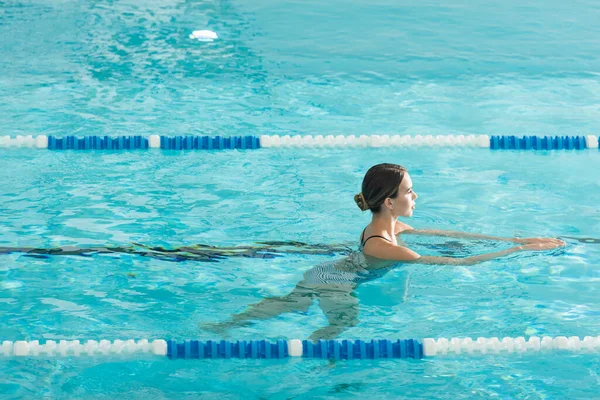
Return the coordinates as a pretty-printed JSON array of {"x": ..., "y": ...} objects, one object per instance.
[{"x": 387, "y": 191}]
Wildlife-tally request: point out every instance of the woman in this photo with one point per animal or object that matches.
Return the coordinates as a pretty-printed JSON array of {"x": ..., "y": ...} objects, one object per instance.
[{"x": 388, "y": 193}]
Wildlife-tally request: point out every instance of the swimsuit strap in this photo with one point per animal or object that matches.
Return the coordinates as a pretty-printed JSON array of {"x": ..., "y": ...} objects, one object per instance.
[
  {"x": 375, "y": 236},
  {"x": 363, "y": 242}
]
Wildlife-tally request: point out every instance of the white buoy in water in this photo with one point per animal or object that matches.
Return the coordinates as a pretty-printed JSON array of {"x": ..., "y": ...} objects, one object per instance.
[{"x": 204, "y": 35}]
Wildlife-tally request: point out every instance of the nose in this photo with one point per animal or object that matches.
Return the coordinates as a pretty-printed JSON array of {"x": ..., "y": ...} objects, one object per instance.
[{"x": 415, "y": 196}]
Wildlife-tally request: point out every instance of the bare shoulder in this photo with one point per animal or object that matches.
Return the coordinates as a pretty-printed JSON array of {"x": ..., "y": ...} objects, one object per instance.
[
  {"x": 384, "y": 250},
  {"x": 401, "y": 227}
]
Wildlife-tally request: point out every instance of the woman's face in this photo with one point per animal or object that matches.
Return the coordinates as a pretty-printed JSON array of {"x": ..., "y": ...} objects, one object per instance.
[{"x": 404, "y": 204}]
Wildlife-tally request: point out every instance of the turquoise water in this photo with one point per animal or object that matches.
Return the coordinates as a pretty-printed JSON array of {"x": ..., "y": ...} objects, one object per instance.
[
  {"x": 182, "y": 198},
  {"x": 300, "y": 67},
  {"x": 310, "y": 68}
]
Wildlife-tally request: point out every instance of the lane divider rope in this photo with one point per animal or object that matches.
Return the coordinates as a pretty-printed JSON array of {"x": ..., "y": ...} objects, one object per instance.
[
  {"x": 325, "y": 349},
  {"x": 299, "y": 141}
]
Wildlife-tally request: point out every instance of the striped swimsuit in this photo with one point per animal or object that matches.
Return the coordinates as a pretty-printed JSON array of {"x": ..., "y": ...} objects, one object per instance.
[{"x": 328, "y": 273}]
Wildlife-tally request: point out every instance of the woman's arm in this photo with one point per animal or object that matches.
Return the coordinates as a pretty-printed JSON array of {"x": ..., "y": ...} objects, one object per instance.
[
  {"x": 466, "y": 235},
  {"x": 388, "y": 251},
  {"x": 436, "y": 260}
]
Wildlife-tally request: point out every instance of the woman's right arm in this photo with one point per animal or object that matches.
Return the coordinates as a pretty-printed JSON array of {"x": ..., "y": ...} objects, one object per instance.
[{"x": 388, "y": 251}]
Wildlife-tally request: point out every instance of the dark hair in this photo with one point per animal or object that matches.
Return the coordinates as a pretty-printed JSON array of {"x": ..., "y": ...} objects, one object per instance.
[{"x": 380, "y": 182}]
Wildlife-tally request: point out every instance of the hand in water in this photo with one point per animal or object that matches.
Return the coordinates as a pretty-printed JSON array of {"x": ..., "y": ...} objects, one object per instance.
[{"x": 540, "y": 243}]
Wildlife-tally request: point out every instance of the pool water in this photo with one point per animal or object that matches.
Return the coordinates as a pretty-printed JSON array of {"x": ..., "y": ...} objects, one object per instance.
[
  {"x": 174, "y": 199},
  {"x": 296, "y": 68}
]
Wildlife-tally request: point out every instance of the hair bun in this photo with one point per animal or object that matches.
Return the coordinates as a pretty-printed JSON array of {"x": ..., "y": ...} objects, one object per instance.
[{"x": 361, "y": 202}]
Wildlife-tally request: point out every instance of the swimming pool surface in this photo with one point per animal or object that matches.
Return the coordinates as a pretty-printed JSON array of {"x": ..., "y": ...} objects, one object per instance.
[{"x": 296, "y": 68}]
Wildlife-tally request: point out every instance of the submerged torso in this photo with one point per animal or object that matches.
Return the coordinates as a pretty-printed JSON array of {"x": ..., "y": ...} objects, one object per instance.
[{"x": 354, "y": 269}]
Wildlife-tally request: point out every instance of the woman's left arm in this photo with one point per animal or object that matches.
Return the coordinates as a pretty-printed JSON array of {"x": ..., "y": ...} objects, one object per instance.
[
  {"x": 466, "y": 235},
  {"x": 463, "y": 235}
]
